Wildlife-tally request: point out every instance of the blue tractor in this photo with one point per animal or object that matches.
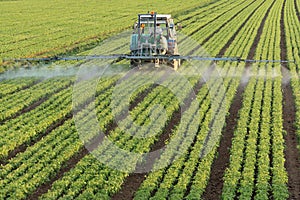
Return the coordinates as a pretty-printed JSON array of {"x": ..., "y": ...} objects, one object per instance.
[{"x": 154, "y": 35}]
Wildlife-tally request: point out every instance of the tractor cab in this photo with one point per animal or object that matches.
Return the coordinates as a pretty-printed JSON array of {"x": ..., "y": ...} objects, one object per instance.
[{"x": 153, "y": 34}]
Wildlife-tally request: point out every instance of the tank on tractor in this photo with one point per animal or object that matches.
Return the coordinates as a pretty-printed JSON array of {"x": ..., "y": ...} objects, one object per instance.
[{"x": 154, "y": 35}]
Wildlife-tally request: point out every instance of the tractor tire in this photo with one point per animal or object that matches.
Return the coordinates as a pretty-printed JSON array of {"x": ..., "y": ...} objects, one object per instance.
[
  {"x": 135, "y": 63},
  {"x": 176, "y": 64}
]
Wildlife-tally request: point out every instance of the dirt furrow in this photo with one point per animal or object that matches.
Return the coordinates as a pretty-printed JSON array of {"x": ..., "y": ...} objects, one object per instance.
[
  {"x": 292, "y": 163},
  {"x": 215, "y": 184},
  {"x": 141, "y": 97},
  {"x": 297, "y": 9},
  {"x": 292, "y": 157}
]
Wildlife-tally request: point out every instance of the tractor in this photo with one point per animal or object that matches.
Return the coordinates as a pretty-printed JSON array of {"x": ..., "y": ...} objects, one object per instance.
[{"x": 154, "y": 35}]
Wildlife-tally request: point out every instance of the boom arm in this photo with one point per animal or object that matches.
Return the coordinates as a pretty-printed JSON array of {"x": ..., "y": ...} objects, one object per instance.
[{"x": 130, "y": 57}]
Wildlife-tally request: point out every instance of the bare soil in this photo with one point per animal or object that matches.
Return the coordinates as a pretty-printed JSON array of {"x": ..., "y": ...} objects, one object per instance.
[
  {"x": 292, "y": 162},
  {"x": 215, "y": 184},
  {"x": 292, "y": 157},
  {"x": 297, "y": 9}
]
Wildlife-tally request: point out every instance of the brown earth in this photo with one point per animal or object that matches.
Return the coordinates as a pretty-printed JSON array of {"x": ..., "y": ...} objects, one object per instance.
[
  {"x": 215, "y": 184},
  {"x": 296, "y": 8},
  {"x": 292, "y": 157},
  {"x": 292, "y": 162}
]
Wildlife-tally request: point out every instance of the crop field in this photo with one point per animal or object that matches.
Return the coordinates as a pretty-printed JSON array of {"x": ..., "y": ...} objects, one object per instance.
[{"x": 99, "y": 129}]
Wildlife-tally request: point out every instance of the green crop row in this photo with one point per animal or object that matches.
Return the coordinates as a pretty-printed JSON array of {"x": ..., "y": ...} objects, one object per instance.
[
  {"x": 26, "y": 127},
  {"x": 125, "y": 140},
  {"x": 10, "y": 86},
  {"x": 50, "y": 162},
  {"x": 202, "y": 17},
  {"x": 185, "y": 161},
  {"x": 256, "y": 141},
  {"x": 14, "y": 103}
]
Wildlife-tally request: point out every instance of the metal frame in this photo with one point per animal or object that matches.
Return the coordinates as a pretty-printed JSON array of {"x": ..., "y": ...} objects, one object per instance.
[{"x": 129, "y": 57}]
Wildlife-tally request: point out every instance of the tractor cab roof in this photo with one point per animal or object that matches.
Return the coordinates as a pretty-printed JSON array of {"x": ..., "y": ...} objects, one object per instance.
[
  {"x": 149, "y": 18},
  {"x": 159, "y": 16}
]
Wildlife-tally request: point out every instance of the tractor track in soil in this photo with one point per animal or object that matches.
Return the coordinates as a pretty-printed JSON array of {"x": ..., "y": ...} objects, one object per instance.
[
  {"x": 71, "y": 163},
  {"x": 297, "y": 10},
  {"x": 134, "y": 180},
  {"x": 292, "y": 157},
  {"x": 215, "y": 184},
  {"x": 221, "y": 162}
]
